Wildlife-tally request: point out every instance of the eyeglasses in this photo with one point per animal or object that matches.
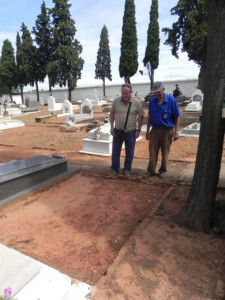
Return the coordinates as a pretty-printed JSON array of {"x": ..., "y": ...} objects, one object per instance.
[{"x": 127, "y": 85}]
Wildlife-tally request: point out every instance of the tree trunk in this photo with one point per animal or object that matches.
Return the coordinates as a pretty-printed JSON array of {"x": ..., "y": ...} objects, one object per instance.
[
  {"x": 69, "y": 94},
  {"x": 104, "y": 86},
  {"x": 152, "y": 78},
  {"x": 127, "y": 79},
  {"x": 49, "y": 87},
  {"x": 198, "y": 212},
  {"x": 21, "y": 92},
  {"x": 37, "y": 90}
]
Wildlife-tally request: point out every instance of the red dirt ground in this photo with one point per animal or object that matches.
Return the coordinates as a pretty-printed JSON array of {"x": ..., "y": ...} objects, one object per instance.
[{"x": 79, "y": 225}]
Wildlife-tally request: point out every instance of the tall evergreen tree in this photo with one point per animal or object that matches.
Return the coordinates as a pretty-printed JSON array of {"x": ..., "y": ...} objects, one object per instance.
[
  {"x": 43, "y": 38},
  {"x": 103, "y": 64},
  {"x": 198, "y": 213},
  {"x": 8, "y": 66},
  {"x": 151, "y": 59},
  {"x": 30, "y": 63},
  {"x": 190, "y": 32},
  {"x": 129, "y": 55},
  {"x": 66, "y": 62},
  {"x": 19, "y": 65}
]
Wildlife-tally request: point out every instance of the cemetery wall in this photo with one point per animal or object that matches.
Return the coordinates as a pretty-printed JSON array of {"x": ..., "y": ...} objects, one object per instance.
[{"x": 187, "y": 87}]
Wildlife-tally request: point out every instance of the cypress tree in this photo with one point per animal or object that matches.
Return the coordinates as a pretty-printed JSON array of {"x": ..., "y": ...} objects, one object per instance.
[
  {"x": 103, "y": 63},
  {"x": 151, "y": 59},
  {"x": 43, "y": 38},
  {"x": 129, "y": 55},
  {"x": 8, "y": 66},
  {"x": 65, "y": 68}
]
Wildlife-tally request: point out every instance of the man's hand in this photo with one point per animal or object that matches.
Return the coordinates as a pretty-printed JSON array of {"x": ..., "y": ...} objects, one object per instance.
[
  {"x": 147, "y": 136},
  {"x": 176, "y": 136},
  {"x": 112, "y": 130}
]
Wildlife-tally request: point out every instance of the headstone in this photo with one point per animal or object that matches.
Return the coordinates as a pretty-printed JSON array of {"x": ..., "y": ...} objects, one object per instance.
[
  {"x": 52, "y": 105},
  {"x": 67, "y": 107},
  {"x": 191, "y": 130},
  {"x": 87, "y": 107},
  {"x": 196, "y": 103}
]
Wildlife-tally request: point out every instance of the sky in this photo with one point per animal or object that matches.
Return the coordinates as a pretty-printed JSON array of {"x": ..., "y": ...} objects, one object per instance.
[{"x": 90, "y": 17}]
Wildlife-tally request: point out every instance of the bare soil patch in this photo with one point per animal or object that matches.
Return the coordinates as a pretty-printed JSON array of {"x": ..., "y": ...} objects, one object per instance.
[{"x": 79, "y": 225}]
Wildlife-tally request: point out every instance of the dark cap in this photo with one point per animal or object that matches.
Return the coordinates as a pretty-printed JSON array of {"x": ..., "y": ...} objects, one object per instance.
[{"x": 157, "y": 86}]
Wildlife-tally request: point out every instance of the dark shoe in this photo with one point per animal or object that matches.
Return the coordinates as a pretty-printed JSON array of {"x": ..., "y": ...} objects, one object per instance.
[
  {"x": 126, "y": 173},
  {"x": 162, "y": 175},
  {"x": 147, "y": 175},
  {"x": 113, "y": 173}
]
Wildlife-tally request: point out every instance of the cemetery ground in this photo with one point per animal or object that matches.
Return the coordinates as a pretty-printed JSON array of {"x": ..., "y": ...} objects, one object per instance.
[{"x": 117, "y": 235}]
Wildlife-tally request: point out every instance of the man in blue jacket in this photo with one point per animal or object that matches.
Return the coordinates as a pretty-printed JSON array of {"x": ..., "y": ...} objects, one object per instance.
[{"x": 164, "y": 119}]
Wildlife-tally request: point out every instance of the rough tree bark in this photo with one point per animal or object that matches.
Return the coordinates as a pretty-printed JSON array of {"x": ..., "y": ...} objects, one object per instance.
[{"x": 198, "y": 212}]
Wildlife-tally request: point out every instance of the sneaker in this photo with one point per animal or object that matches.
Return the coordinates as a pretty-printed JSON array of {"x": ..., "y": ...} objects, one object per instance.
[
  {"x": 126, "y": 173},
  {"x": 113, "y": 173},
  {"x": 162, "y": 175},
  {"x": 147, "y": 175}
]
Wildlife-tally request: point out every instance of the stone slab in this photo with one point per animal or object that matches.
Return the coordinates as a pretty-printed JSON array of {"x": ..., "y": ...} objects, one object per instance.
[
  {"x": 20, "y": 177},
  {"x": 16, "y": 270}
]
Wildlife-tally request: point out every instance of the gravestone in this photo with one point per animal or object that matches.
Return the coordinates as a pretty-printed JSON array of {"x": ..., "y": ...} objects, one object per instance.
[
  {"x": 191, "y": 130},
  {"x": 86, "y": 111},
  {"x": 67, "y": 107},
  {"x": 196, "y": 103},
  {"x": 52, "y": 105}
]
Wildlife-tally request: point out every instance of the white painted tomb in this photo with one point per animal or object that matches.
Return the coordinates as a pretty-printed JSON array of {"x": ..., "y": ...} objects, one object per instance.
[
  {"x": 86, "y": 111},
  {"x": 191, "y": 130},
  {"x": 99, "y": 141},
  {"x": 52, "y": 105},
  {"x": 8, "y": 124},
  {"x": 30, "y": 279},
  {"x": 196, "y": 103},
  {"x": 96, "y": 101}
]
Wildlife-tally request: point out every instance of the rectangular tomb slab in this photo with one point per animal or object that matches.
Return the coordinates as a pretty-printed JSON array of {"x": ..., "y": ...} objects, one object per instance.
[{"x": 19, "y": 175}]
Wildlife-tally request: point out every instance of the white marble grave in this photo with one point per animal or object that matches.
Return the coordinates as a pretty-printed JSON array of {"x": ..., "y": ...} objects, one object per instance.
[
  {"x": 191, "y": 130},
  {"x": 86, "y": 111},
  {"x": 99, "y": 141},
  {"x": 196, "y": 103},
  {"x": 67, "y": 107},
  {"x": 8, "y": 124},
  {"x": 52, "y": 105}
]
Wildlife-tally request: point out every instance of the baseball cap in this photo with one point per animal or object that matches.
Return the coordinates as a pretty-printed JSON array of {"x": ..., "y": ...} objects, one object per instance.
[{"x": 157, "y": 86}]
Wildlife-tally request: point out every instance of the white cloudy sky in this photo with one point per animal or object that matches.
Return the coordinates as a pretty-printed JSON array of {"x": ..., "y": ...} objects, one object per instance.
[{"x": 90, "y": 16}]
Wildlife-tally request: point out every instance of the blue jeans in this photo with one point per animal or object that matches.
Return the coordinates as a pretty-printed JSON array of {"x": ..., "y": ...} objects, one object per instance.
[{"x": 129, "y": 141}]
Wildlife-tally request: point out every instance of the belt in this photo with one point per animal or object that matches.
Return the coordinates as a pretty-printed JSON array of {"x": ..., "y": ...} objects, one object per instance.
[{"x": 165, "y": 127}]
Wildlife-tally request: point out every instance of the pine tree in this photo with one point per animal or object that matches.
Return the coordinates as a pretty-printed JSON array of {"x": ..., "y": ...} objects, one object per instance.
[
  {"x": 151, "y": 59},
  {"x": 43, "y": 38},
  {"x": 103, "y": 64},
  {"x": 129, "y": 55},
  {"x": 8, "y": 66},
  {"x": 65, "y": 68}
]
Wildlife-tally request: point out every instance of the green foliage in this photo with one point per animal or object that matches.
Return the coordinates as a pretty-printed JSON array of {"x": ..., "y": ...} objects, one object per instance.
[
  {"x": 152, "y": 48},
  {"x": 129, "y": 55},
  {"x": 66, "y": 56},
  {"x": 103, "y": 64},
  {"x": 190, "y": 29},
  {"x": 43, "y": 38},
  {"x": 151, "y": 59},
  {"x": 8, "y": 66}
]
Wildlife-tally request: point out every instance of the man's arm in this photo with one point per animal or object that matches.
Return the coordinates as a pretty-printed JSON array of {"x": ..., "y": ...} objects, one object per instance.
[
  {"x": 140, "y": 122},
  {"x": 177, "y": 126},
  {"x": 147, "y": 135},
  {"x": 112, "y": 119}
]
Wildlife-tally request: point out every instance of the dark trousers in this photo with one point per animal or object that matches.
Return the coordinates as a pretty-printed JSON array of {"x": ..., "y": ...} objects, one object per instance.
[
  {"x": 160, "y": 138},
  {"x": 129, "y": 141}
]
